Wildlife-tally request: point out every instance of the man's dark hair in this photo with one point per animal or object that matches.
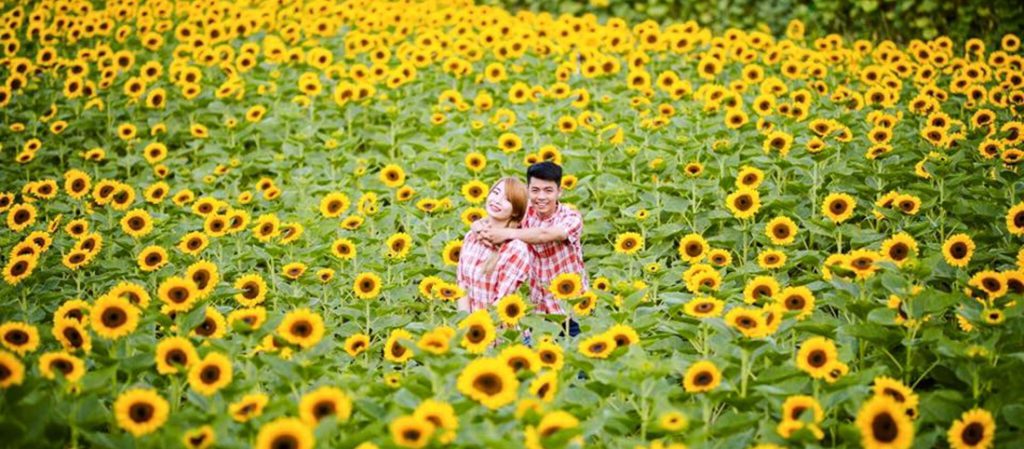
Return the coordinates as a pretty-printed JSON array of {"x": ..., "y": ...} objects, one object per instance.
[{"x": 547, "y": 170}]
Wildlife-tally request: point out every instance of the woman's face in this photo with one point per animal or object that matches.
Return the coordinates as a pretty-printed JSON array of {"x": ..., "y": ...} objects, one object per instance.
[{"x": 498, "y": 205}]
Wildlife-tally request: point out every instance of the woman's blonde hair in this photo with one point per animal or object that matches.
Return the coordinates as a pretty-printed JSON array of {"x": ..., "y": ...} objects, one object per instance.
[{"x": 515, "y": 192}]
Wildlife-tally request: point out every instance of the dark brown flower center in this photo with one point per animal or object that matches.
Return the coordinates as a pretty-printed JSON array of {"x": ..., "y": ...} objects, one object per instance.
[
  {"x": 973, "y": 433},
  {"x": 284, "y": 442},
  {"x": 210, "y": 374},
  {"x": 703, "y": 379},
  {"x": 113, "y": 317},
  {"x": 884, "y": 428},
  {"x": 488, "y": 383},
  {"x": 141, "y": 412},
  {"x": 817, "y": 358},
  {"x": 301, "y": 328}
]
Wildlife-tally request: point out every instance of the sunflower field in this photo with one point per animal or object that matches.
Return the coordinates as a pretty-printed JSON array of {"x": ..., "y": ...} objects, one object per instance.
[{"x": 237, "y": 224}]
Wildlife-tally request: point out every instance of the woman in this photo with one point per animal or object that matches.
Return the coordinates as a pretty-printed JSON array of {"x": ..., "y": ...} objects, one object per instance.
[{"x": 486, "y": 272}]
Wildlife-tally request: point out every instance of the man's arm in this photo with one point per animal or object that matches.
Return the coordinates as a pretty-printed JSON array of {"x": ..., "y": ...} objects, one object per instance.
[{"x": 529, "y": 235}]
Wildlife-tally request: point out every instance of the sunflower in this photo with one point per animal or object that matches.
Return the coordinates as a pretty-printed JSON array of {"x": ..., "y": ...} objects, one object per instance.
[
  {"x": 72, "y": 335},
  {"x": 550, "y": 425},
  {"x": 883, "y": 424},
  {"x": 511, "y": 309},
  {"x": 367, "y": 285},
  {"x": 356, "y": 344},
  {"x": 442, "y": 416},
  {"x": 551, "y": 355},
  {"x": 993, "y": 283},
  {"x": 140, "y": 411},
  {"x": 21, "y": 216},
  {"x": 566, "y": 286},
  {"x": 437, "y": 341},
  {"x": 509, "y": 143},
  {"x": 12, "y": 371},
  {"x": 199, "y": 438},
  {"x": 898, "y": 391},
  {"x": 958, "y": 250},
  {"x": 411, "y": 431},
  {"x": 174, "y": 354},
  {"x": 743, "y": 203},
  {"x": 445, "y": 291},
  {"x": 622, "y": 335},
  {"x": 178, "y": 294},
  {"x": 704, "y": 307},
  {"x": 796, "y": 299},
  {"x": 672, "y": 421},
  {"x": 248, "y": 407},
  {"x": 293, "y": 270},
  {"x": 19, "y": 337},
  {"x": 781, "y": 230},
  {"x": 747, "y": 320},
  {"x": 77, "y": 183},
  {"x": 267, "y": 226},
  {"x": 113, "y": 317},
  {"x": 975, "y": 429},
  {"x": 1015, "y": 219},
  {"x": 301, "y": 327},
  {"x": 151, "y": 258},
  {"x": 838, "y": 207},
  {"x": 205, "y": 276},
  {"x": 18, "y": 268},
  {"x": 248, "y": 318},
  {"x": 253, "y": 290},
  {"x": 451, "y": 251},
  {"x": 209, "y": 375},
  {"x": 323, "y": 402},
  {"x": 398, "y": 245},
  {"x": 585, "y": 304},
  {"x": 802, "y": 408},
  {"x": 693, "y": 248},
  {"x": 289, "y": 433},
  {"x": 701, "y": 376},
  {"x": 394, "y": 349},
  {"x": 479, "y": 331},
  {"x": 343, "y": 249},
  {"x": 770, "y": 259},
  {"x": 475, "y": 191},
  {"x": 53, "y": 363},
  {"x": 334, "y": 204},
  {"x": 629, "y": 243},
  {"x": 816, "y": 355},
  {"x": 597, "y": 347},
  {"x": 899, "y": 248},
  {"x": 749, "y": 177},
  {"x": 73, "y": 309},
  {"x": 213, "y": 324},
  {"x": 488, "y": 381},
  {"x": 760, "y": 287}
]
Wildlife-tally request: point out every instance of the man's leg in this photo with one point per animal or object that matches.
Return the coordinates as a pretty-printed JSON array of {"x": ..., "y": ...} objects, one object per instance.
[{"x": 571, "y": 325}]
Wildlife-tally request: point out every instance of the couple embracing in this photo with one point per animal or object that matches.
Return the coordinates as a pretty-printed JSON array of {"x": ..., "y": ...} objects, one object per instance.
[{"x": 526, "y": 236}]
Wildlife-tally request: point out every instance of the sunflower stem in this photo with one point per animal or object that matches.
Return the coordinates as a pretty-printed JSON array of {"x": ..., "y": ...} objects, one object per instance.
[{"x": 744, "y": 371}]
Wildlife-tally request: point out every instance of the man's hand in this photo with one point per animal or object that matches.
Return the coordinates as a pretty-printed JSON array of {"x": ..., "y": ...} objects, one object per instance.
[{"x": 494, "y": 236}]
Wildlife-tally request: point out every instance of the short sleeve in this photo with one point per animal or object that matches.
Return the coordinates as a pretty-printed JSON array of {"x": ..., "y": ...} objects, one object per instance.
[{"x": 572, "y": 222}]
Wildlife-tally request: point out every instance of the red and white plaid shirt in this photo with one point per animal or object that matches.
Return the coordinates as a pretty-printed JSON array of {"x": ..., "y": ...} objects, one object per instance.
[
  {"x": 554, "y": 258},
  {"x": 510, "y": 271}
]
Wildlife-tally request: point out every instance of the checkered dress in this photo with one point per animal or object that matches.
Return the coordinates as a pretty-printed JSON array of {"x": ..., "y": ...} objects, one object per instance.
[
  {"x": 510, "y": 271},
  {"x": 554, "y": 258}
]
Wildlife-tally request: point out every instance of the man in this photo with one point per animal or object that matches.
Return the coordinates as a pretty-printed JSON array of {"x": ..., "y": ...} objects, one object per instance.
[{"x": 553, "y": 231}]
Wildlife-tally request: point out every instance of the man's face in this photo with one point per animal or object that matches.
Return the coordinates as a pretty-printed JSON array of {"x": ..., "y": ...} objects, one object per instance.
[{"x": 544, "y": 195}]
